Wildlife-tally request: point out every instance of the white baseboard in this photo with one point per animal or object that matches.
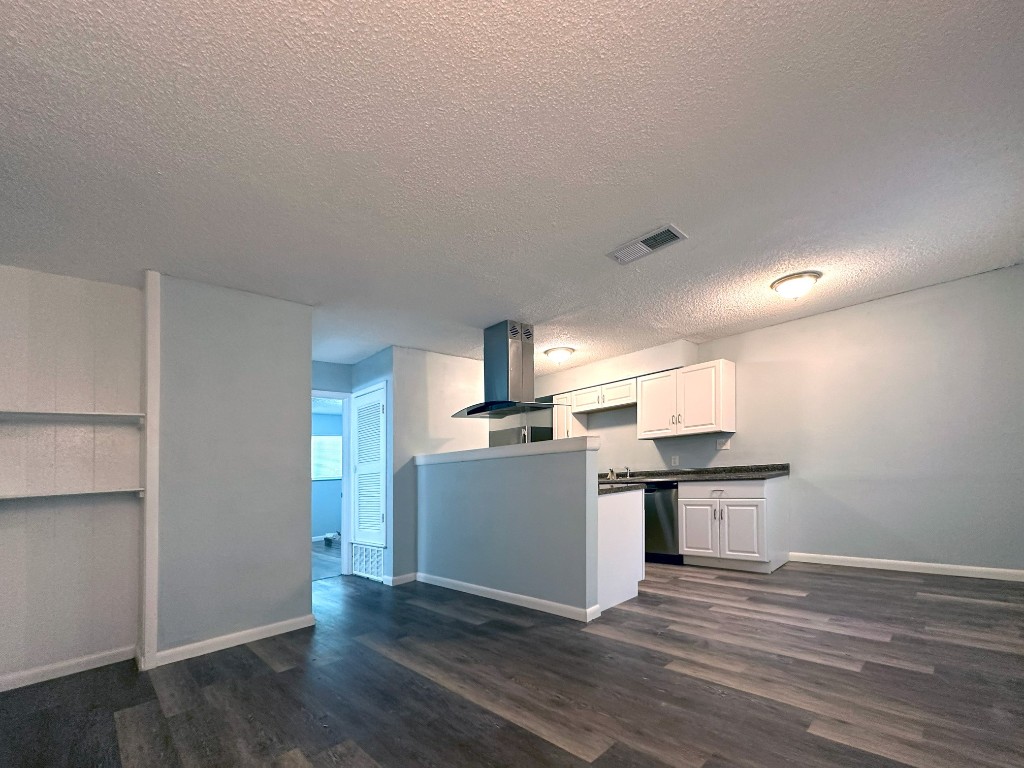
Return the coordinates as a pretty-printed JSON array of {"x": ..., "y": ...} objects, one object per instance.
[
  {"x": 942, "y": 569},
  {"x": 191, "y": 650},
  {"x": 394, "y": 581},
  {"x": 558, "y": 609},
  {"x": 10, "y": 680}
]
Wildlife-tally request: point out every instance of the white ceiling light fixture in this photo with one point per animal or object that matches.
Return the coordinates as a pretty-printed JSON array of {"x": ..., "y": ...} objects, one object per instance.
[
  {"x": 559, "y": 354},
  {"x": 796, "y": 285}
]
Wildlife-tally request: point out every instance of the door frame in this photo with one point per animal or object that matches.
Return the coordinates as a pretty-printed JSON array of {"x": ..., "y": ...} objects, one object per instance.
[{"x": 346, "y": 474}]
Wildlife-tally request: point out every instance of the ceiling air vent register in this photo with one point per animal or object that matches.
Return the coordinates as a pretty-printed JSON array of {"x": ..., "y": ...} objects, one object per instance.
[{"x": 641, "y": 246}]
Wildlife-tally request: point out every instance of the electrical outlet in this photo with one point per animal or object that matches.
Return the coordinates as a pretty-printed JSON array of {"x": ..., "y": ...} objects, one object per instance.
[
  {"x": 725, "y": 444},
  {"x": 675, "y": 461}
]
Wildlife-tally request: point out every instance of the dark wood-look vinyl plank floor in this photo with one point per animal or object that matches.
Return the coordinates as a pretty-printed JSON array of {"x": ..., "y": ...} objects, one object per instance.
[
  {"x": 809, "y": 666},
  {"x": 324, "y": 561}
]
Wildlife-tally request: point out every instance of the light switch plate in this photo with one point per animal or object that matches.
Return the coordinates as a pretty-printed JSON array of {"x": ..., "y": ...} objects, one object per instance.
[
  {"x": 675, "y": 461},
  {"x": 725, "y": 443}
]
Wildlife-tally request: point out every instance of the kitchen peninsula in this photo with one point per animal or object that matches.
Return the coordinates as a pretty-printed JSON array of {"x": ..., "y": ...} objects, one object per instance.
[
  {"x": 721, "y": 517},
  {"x": 524, "y": 524}
]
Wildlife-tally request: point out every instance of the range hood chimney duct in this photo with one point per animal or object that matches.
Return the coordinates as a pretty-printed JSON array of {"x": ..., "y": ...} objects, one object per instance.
[{"x": 508, "y": 373}]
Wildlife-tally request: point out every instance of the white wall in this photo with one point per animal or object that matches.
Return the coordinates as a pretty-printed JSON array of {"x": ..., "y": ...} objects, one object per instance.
[
  {"x": 675, "y": 354},
  {"x": 69, "y": 567},
  {"x": 903, "y": 420},
  {"x": 428, "y": 388},
  {"x": 234, "y": 493}
]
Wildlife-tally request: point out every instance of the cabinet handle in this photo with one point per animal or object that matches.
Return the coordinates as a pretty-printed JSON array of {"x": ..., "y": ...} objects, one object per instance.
[
  {"x": 679, "y": 418},
  {"x": 673, "y": 418}
]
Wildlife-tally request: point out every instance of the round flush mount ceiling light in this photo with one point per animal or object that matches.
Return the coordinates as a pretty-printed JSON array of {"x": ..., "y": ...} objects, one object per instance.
[
  {"x": 559, "y": 354},
  {"x": 796, "y": 285}
]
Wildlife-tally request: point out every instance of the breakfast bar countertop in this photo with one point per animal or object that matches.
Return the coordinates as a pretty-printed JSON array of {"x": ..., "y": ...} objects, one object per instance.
[
  {"x": 615, "y": 486},
  {"x": 742, "y": 472}
]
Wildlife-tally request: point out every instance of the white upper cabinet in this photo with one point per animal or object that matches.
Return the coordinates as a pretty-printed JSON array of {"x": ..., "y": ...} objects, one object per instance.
[
  {"x": 619, "y": 394},
  {"x": 656, "y": 405},
  {"x": 615, "y": 395},
  {"x": 588, "y": 399},
  {"x": 687, "y": 401},
  {"x": 706, "y": 398},
  {"x": 563, "y": 423}
]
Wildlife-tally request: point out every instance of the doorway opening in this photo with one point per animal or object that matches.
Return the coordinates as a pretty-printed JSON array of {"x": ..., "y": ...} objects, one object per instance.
[{"x": 327, "y": 495}]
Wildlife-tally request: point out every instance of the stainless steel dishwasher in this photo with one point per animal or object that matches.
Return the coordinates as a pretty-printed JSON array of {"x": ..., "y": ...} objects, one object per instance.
[{"x": 661, "y": 518}]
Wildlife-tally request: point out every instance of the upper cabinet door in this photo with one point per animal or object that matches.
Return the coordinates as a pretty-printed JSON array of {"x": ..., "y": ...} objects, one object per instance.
[
  {"x": 656, "y": 405},
  {"x": 588, "y": 399},
  {"x": 561, "y": 417},
  {"x": 706, "y": 398},
  {"x": 742, "y": 524},
  {"x": 697, "y": 398},
  {"x": 698, "y": 527},
  {"x": 619, "y": 394}
]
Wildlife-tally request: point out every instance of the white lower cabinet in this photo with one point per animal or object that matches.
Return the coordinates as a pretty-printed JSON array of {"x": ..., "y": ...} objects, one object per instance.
[
  {"x": 741, "y": 529},
  {"x": 728, "y": 529},
  {"x": 620, "y": 547},
  {"x": 698, "y": 527}
]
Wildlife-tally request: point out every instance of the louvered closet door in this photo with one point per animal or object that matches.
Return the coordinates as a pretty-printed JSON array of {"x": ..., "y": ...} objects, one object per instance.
[{"x": 370, "y": 466}]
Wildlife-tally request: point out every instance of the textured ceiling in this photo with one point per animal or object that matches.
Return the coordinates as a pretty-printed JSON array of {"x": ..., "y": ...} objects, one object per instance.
[{"x": 420, "y": 170}]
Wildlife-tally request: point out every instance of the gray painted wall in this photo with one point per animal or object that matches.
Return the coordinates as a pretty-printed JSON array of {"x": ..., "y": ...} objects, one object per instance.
[
  {"x": 332, "y": 377},
  {"x": 234, "y": 489},
  {"x": 428, "y": 388},
  {"x": 424, "y": 390},
  {"x": 903, "y": 419},
  {"x": 530, "y": 536},
  {"x": 69, "y": 567}
]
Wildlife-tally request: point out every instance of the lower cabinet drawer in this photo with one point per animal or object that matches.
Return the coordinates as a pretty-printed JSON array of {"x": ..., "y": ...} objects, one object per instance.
[{"x": 732, "y": 489}]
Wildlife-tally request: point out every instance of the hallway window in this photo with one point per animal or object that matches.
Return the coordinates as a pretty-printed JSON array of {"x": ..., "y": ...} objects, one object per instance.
[{"x": 326, "y": 455}]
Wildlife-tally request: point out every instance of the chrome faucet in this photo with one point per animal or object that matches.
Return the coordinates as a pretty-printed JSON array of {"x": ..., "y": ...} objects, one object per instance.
[{"x": 627, "y": 473}]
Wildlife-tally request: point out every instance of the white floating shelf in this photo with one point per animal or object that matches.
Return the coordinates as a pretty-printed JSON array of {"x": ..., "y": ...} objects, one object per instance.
[
  {"x": 70, "y": 416},
  {"x": 140, "y": 491}
]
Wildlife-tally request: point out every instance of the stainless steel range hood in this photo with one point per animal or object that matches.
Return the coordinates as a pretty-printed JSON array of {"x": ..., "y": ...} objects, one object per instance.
[{"x": 508, "y": 373}]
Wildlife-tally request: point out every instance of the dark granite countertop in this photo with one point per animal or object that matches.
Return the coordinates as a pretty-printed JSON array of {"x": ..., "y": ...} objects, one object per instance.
[
  {"x": 745, "y": 472},
  {"x": 606, "y": 487}
]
